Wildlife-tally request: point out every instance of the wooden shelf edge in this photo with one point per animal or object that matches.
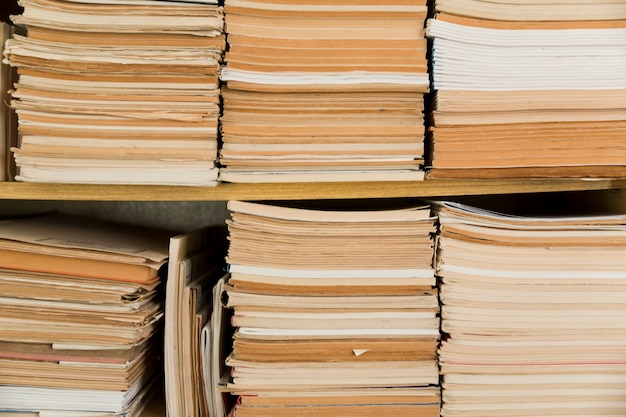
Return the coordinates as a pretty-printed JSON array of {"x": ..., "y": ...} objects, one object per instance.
[{"x": 299, "y": 191}]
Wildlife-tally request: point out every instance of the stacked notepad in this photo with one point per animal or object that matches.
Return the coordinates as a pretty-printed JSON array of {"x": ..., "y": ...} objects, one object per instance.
[
  {"x": 329, "y": 91},
  {"x": 528, "y": 90},
  {"x": 80, "y": 315},
  {"x": 534, "y": 309},
  {"x": 336, "y": 313},
  {"x": 117, "y": 92}
]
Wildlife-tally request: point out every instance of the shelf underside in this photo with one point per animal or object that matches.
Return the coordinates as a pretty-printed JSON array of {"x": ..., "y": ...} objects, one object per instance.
[{"x": 299, "y": 191}]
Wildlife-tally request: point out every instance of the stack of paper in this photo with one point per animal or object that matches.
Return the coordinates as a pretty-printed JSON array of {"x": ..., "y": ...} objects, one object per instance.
[
  {"x": 80, "y": 315},
  {"x": 191, "y": 310},
  {"x": 336, "y": 313},
  {"x": 118, "y": 91},
  {"x": 534, "y": 310},
  {"x": 8, "y": 120},
  {"x": 329, "y": 91},
  {"x": 538, "y": 91},
  {"x": 555, "y": 10}
]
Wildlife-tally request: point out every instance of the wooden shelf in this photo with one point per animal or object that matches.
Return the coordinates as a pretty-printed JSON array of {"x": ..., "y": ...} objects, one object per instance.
[{"x": 299, "y": 191}]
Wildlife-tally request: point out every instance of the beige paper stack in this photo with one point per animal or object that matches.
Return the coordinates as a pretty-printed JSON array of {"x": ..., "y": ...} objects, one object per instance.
[
  {"x": 533, "y": 308},
  {"x": 323, "y": 91},
  {"x": 527, "y": 89},
  {"x": 117, "y": 92},
  {"x": 80, "y": 315},
  {"x": 335, "y": 312}
]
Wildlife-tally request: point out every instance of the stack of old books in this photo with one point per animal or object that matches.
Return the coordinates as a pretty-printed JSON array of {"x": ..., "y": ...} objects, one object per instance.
[
  {"x": 335, "y": 312},
  {"x": 534, "y": 312},
  {"x": 80, "y": 316},
  {"x": 117, "y": 92},
  {"x": 328, "y": 91},
  {"x": 525, "y": 90}
]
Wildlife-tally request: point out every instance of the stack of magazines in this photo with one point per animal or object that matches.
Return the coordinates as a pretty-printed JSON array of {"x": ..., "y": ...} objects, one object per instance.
[
  {"x": 533, "y": 308},
  {"x": 335, "y": 312},
  {"x": 527, "y": 90},
  {"x": 117, "y": 92},
  {"x": 323, "y": 92},
  {"x": 80, "y": 316}
]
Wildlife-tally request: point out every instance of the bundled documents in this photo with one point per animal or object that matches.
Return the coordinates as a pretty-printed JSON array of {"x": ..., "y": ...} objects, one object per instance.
[
  {"x": 335, "y": 311},
  {"x": 323, "y": 92},
  {"x": 80, "y": 315},
  {"x": 117, "y": 92}
]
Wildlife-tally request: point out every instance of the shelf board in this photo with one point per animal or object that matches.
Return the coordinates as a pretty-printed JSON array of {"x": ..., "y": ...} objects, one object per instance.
[{"x": 298, "y": 191}]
